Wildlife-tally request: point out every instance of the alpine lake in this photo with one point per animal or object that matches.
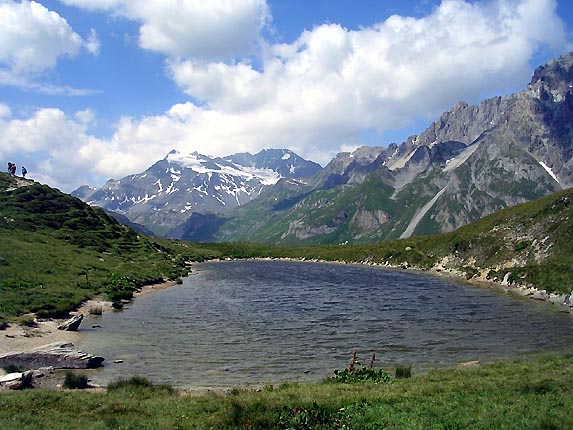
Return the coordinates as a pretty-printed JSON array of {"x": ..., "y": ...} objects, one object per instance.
[{"x": 267, "y": 322}]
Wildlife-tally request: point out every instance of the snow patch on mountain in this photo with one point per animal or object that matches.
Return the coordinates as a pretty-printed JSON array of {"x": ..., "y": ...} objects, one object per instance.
[
  {"x": 548, "y": 170},
  {"x": 202, "y": 165}
]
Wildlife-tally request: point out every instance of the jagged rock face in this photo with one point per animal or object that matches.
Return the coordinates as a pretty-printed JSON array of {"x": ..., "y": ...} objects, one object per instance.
[
  {"x": 170, "y": 191},
  {"x": 282, "y": 161},
  {"x": 474, "y": 160},
  {"x": 368, "y": 220}
]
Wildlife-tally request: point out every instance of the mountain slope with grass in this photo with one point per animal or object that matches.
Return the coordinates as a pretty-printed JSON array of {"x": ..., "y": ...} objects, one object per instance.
[
  {"x": 527, "y": 244},
  {"x": 56, "y": 252}
]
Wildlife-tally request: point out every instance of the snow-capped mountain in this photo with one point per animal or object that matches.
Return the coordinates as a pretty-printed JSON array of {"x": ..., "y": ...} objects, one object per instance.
[{"x": 167, "y": 193}]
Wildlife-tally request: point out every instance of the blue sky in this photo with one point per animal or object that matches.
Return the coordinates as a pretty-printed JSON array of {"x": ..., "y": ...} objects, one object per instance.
[{"x": 98, "y": 89}]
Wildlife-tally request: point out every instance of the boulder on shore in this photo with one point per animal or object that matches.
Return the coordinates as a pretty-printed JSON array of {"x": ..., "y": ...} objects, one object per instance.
[
  {"x": 73, "y": 324},
  {"x": 59, "y": 355}
]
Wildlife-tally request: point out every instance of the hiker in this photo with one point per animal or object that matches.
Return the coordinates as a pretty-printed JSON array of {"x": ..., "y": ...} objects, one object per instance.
[
  {"x": 13, "y": 169},
  {"x": 24, "y": 171},
  {"x": 9, "y": 167}
]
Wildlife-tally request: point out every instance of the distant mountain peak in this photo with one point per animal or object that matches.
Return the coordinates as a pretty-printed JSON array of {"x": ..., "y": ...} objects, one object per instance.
[{"x": 167, "y": 193}]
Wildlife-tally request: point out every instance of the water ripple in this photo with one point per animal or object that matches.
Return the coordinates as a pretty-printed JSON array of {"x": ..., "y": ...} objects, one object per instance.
[{"x": 254, "y": 322}]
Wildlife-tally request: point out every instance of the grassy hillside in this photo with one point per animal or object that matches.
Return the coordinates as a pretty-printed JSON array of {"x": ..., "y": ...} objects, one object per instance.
[
  {"x": 56, "y": 252},
  {"x": 506, "y": 396},
  {"x": 533, "y": 241}
]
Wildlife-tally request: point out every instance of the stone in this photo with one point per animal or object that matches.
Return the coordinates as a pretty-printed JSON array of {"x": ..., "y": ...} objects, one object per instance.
[
  {"x": 540, "y": 295},
  {"x": 10, "y": 377},
  {"x": 505, "y": 281},
  {"x": 17, "y": 380},
  {"x": 73, "y": 324},
  {"x": 59, "y": 355},
  {"x": 558, "y": 299},
  {"x": 475, "y": 363}
]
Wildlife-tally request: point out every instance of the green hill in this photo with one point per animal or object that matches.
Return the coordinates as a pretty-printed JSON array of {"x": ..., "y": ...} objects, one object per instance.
[
  {"x": 56, "y": 252},
  {"x": 531, "y": 241}
]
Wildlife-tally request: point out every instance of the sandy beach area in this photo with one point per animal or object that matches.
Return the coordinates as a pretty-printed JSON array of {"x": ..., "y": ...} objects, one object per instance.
[{"x": 18, "y": 338}]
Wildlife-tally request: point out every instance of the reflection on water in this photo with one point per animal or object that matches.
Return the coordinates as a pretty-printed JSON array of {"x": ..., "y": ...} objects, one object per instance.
[{"x": 254, "y": 322}]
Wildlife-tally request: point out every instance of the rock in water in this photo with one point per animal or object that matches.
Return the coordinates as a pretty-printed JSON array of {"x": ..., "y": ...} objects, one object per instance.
[
  {"x": 72, "y": 324},
  {"x": 60, "y": 355}
]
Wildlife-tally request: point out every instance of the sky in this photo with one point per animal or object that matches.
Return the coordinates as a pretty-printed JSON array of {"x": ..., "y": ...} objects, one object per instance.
[{"x": 98, "y": 89}]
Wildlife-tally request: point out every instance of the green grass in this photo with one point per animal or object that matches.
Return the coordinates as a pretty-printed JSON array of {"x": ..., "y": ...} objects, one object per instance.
[
  {"x": 513, "y": 395},
  {"x": 538, "y": 234},
  {"x": 56, "y": 252}
]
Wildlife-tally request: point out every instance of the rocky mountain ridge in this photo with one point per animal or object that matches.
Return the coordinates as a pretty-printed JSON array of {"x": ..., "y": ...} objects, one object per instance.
[
  {"x": 170, "y": 191},
  {"x": 473, "y": 161}
]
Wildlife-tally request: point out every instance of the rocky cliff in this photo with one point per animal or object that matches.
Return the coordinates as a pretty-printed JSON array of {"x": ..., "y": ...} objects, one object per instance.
[{"x": 472, "y": 161}]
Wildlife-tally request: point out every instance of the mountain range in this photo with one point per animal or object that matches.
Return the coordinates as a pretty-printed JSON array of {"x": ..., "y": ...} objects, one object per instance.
[
  {"x": 181, "y": 186},
  {"x": 473, "y": 161}
]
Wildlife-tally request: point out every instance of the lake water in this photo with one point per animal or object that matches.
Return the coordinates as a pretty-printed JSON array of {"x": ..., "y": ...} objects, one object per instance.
[{"x": 244, "y": 322}]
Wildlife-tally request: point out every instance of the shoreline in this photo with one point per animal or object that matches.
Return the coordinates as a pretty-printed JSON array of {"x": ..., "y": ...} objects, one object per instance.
[
  {"x": 440, "y": 270},
  {"x": 16, "y": 338}
]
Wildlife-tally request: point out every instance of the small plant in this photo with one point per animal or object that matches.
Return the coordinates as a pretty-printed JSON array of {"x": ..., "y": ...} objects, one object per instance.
[
  {"x": 357, "y": 372},
  {"x": 138, "y": 384},
  {"x": 12, "y": 368},
  {"x": 74, "y": 381},
  {"x": 27, "y": 321},
  {"x": 303, "y": 418},
  {"x": 98, "y": 310},
  {"x": 403, "y": 372}
]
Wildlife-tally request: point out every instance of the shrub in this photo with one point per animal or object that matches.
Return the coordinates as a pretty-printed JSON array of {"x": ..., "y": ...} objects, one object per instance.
[
  {"x": 27, "y": 321},
  {"x": 12, "y": 368},
  {"x": 98, "y": 310},
  {"x": 138, "y": 384},
  {"x": 357, "y": 372},
  {"x": 117, "y": 305},
  {"x": 135, "y": 381},
  {"x": 27, "y": 381},
  {"x": 403, "y": 372},
  {"x": 74, "y": 381}
]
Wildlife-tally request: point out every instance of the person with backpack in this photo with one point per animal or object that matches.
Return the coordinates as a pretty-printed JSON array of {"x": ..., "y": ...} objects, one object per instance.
[{"x": 24, "y": 171}]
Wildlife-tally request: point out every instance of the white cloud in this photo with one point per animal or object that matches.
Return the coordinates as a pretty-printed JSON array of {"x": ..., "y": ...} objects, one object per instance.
[
  {"x": 198, "y": 29},
  {"x": 316, "y": 95},
  {"x": 86, "y": 117},
  {"x": 32, "y": 38},
  {"x": 5, "y": 111},
  {"x": 93, "y": 44},
  {"x": 323, "y": 90}
]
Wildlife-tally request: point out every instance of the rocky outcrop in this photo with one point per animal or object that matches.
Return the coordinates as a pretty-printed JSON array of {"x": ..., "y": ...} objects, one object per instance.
[
  {"x": 365, "y": 219},
  {"x": 60, "y": 355},
  {"x": 73, "y": 324}
]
